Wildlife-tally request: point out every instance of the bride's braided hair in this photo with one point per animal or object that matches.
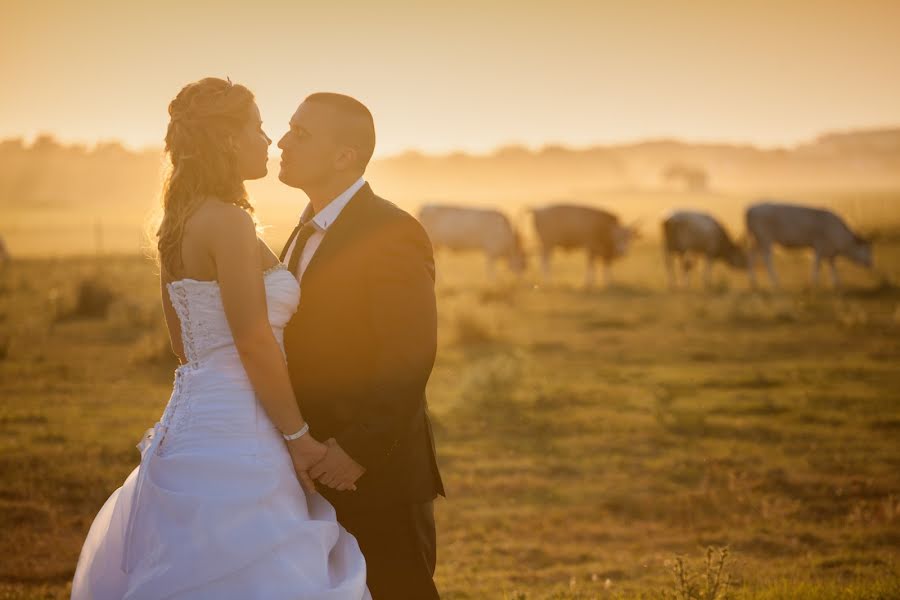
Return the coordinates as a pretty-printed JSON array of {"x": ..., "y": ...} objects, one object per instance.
[{"x": 205, "y": 118}]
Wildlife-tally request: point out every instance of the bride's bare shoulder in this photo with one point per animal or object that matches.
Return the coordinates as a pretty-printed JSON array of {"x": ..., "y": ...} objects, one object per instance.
[
  {"x": 215, "y": 219},
  {"x": 228, "y": 224},
  {"x": 214, "y": 226}
]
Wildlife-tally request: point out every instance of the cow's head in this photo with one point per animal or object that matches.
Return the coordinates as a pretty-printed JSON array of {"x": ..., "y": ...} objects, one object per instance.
[
  {"x": 623, "y": 235},
  {"x": 737, "y": 257},
  {"x": 860, "y": 251},
  {"x": 737, "y": 253}
]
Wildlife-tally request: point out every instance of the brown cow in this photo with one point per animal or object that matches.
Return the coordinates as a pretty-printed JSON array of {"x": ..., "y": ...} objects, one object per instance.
[{"x": 572, "y": 227}]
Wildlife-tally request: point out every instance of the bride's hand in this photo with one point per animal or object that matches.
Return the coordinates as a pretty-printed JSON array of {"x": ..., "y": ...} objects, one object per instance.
[{"x": 305, "y": 452}]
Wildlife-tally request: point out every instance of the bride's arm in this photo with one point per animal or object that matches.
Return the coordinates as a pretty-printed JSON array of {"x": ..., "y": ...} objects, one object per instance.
[{"x": 235, "y": 250}]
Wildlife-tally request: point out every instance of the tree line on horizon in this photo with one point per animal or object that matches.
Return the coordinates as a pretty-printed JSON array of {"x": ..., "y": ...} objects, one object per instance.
[{"x": 47, "y": 173}]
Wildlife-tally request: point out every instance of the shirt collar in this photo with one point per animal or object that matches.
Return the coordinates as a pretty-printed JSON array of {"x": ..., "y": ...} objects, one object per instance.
[{"x": 325, "y": 217}]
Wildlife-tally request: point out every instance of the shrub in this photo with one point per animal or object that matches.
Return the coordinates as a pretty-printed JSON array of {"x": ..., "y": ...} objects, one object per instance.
[
  {"x": 93, "y": 299},
  {"x": 472, "y": 329}
]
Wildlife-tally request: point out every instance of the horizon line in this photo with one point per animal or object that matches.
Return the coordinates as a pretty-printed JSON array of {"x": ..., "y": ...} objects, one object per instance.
[{"x": 28, "y": 141}]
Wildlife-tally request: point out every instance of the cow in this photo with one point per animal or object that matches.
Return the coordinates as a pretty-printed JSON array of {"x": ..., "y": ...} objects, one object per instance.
[
  {"x": 571, "y": 227},
  {"x": 687, "y": 233},
  {"x": 794, "y": 226},
  {"x": 488, "y": 231}
]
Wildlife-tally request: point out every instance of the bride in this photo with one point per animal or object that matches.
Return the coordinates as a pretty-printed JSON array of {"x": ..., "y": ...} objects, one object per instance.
[{"x": 216, "y": 508}]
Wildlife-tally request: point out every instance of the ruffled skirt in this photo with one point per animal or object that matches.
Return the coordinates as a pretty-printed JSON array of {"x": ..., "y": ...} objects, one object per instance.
[{"x": 217, "y": 515}]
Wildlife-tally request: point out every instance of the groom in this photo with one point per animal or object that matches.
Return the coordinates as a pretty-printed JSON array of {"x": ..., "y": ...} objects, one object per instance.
[{"x": 362, "y": 343}]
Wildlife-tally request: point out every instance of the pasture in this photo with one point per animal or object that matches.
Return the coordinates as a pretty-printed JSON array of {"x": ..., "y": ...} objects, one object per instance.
[{"x": 588, "y": 438}]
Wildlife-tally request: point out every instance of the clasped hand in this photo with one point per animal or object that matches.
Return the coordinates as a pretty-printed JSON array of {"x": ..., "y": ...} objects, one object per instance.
[{"x": 326, "y": 463}]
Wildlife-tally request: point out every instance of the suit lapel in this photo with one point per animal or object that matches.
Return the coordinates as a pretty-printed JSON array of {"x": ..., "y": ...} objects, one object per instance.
[{"x": 341, "y": 231}]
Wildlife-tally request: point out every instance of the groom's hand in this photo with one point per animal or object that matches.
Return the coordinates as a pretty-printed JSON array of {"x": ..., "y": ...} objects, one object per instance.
[
  {"x": 337, "y": 470},
  {"x": 305, "y": 452}
]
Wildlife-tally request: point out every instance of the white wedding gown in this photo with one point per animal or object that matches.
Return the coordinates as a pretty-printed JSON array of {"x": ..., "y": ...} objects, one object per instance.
[{"x": 215, "y": 510}]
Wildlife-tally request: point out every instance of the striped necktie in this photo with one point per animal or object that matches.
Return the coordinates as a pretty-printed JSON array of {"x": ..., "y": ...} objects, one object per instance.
[{"x": 305, "y": 232}]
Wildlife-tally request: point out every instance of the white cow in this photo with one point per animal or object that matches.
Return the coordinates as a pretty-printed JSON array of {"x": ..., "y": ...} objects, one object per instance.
[
  {"x": 687, "y": 233},
  {"x": 459, "y": 228},
  {"x": 794, "y": 226}
]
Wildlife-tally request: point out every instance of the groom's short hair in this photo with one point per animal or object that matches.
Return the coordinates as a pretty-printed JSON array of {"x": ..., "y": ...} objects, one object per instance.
[{"x": 358, "y": 126}]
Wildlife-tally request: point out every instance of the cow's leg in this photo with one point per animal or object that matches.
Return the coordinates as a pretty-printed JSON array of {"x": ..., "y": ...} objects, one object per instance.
[
  {"x": 607, "y": 273},
  {"x": 814, "y": 276},
  {"x": 835, "y": 278},
  {"x": 670, "y": 268},
  {"x": 686, "y": 268},
  {"x": 767, "y": 258},
  {"x": 589, "y": 271},
  {"x": 751, "y": 266},
  {"x": 707, "y": 272},
  {"x": 545, "y": 265}
]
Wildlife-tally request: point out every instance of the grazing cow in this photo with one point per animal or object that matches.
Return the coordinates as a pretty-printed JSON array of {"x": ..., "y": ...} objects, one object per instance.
[
  {"x": 460, "y": 228},
  {"x": 570, "y": 227},
  {"x": 794, "y": 226},
  {"x": 690, "y": 232}
]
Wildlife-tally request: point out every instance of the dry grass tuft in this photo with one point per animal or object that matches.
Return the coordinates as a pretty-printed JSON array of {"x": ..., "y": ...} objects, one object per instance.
[{"x": 710, "y": 581}]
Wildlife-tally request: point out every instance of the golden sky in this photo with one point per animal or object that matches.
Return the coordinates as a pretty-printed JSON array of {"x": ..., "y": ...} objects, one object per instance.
[{"x": 441, "y": 76}]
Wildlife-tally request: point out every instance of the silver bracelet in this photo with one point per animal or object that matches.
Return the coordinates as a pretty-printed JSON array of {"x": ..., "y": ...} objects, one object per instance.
[{"x": 299, "y": 434}]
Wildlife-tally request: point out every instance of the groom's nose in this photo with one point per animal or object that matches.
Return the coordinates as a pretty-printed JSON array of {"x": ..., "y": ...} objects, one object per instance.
[{"x": 281, "y": 142}]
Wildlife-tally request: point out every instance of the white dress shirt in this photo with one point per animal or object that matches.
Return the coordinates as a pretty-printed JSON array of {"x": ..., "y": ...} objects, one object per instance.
[{"x": 322, "y": 221}]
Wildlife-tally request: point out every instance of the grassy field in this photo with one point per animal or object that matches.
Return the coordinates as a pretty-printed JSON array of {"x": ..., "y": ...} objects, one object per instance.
[
  {"x": 34, "y": 231},
  {"x": 588, "y": 438}
]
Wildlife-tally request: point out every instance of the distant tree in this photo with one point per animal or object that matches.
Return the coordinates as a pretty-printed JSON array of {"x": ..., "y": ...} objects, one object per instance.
[
  {"x": 12, "y": 145},
  {"x": 692, "y": 178},
  {"x": 512, "y": 151},
  {"x": 111, "y": 149},
  {"x": 555, "y": 150},
  {"x": 45, "y": 143}
]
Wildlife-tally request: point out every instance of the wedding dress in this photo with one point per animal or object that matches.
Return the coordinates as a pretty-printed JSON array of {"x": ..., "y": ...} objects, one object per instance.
[{"x": 215, "y": 509}]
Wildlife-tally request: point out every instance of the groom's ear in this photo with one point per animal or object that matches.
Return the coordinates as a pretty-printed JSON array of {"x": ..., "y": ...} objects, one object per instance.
[{"x": 347, "y": 158}]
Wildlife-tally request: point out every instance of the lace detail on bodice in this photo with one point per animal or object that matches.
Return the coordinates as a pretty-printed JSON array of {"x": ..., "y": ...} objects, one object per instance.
[
  {"x": 178, "y": 411},
  {"x": 204, "y": 327}
]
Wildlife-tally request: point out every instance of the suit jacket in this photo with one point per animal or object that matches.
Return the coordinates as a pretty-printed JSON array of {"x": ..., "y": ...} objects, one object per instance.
[{"x": 360, "y": 349}]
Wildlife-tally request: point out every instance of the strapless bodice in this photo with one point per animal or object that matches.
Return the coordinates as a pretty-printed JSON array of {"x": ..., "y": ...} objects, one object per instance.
[{"x": 205, "y": 332}]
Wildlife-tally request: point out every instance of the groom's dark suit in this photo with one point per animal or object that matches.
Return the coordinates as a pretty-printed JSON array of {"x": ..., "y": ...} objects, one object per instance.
[{"x": 360, "y": 349}]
